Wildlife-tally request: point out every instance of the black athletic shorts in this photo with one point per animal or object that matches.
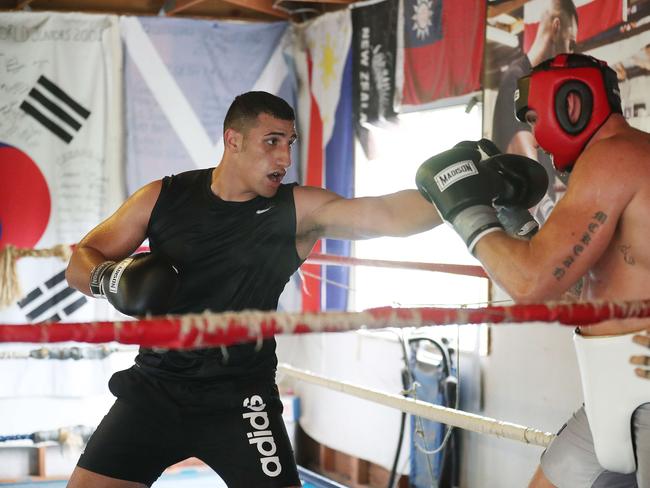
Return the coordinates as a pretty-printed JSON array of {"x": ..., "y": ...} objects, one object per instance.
[{"x": 234, "y": 426}]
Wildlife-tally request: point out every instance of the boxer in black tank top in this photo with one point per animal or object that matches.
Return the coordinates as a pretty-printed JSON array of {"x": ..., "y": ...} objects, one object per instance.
[
  {"x": 231, "y": 256},
  {"x": 224, "y": 239}
]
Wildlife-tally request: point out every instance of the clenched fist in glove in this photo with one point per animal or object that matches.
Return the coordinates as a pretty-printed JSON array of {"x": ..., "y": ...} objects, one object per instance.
[
  {"x": 465, "y": 183},
  {"x": 517, "y": 221},
  {"x": 138, "y": 285}
]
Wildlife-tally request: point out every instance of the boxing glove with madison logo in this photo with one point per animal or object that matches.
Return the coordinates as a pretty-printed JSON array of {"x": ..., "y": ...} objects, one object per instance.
[{"x": 464, "y": 186}]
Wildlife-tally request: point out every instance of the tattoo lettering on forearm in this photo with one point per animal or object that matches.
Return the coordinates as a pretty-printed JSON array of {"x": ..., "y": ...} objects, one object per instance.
[
  {"x": 597, "y": 220},
  {"x": 626, "y": 251}
]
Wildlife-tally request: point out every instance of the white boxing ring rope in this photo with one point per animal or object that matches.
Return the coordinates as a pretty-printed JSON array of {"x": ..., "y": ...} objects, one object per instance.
[
  {"x": 437, "y": 413},
  {"x": 205, "y": 330}
]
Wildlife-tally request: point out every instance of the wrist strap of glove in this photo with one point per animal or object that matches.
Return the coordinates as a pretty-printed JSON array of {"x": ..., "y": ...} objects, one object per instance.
[
  {"x": 96, "y": 278},
  {"x": 517, "y": 221},
  {"x": 475, "y": 222}
]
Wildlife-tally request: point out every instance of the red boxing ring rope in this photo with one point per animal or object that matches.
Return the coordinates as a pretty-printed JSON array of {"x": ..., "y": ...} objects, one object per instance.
[{"x": 223, "y": 329}]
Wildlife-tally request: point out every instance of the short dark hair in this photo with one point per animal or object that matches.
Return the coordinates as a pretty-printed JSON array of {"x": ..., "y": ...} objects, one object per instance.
[
  {"x": 246, "y": 107},
  {"x": 568, "y": 8}
]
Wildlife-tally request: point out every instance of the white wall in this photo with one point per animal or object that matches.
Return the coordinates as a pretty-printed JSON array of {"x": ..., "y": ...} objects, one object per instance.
[
  {"x": 342, "y": 422},
  {"x": 529, "y": 378}
]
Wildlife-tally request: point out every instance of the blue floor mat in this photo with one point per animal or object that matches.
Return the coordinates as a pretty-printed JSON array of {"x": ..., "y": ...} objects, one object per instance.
[{"x": 187, "y": 478}]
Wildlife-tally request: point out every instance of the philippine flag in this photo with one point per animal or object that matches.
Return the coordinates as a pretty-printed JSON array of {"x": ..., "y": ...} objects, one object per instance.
[{"x": 323, "y": 63}]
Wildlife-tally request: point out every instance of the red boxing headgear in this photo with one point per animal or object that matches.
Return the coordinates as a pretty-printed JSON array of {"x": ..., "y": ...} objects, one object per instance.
[{"x": 546, "y": 90}]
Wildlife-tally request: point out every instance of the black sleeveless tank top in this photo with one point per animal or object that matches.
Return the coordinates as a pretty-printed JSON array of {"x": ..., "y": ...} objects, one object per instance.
[{"x": 231, "y": 256}]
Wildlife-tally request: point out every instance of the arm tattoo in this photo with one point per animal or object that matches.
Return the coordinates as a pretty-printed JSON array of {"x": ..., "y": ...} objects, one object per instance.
[
  {"x": 597, "y": 220},
  {"x": 626, "y": 251}
]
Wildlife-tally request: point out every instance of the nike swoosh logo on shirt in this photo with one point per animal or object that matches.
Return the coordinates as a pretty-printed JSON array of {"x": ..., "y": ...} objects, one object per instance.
[{"x": 263, "y": 210}]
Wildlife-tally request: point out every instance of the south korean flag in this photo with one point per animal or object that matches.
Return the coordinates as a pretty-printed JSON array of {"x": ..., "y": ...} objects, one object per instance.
[{"x": 60, "y": 149}]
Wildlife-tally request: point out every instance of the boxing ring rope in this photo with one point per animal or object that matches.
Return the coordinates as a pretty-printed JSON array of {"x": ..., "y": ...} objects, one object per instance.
[
  {"x": 10, "y": 286},
  {"x": 461, "y": 269},
  {"x": 63, "y": 353},
  {"x": 76, "y": 435},
  {"x": 9, "y": 283},
  {"x": 224, "y": 329},
  {"x": 419, "y": 408}
]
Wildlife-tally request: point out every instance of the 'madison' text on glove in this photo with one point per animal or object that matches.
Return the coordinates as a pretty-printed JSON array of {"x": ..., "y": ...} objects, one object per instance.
[{"x": 464, "y": 185}]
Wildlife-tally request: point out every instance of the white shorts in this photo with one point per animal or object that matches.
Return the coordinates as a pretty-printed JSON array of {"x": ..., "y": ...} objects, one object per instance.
[{"x": 606, "y": 439}]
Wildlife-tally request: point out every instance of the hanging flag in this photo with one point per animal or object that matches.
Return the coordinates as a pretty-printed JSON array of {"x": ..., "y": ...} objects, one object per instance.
[
  {"x": 61, "y": 160},
  {"x": 442, "y": 49},
  {"x": 323, "y": 65},
  {"x": 60, "y": 149},
  {"x": 181, "y": 76},
  {"x": 594, "y": 17},
  {"x": 375, "y": 43}
]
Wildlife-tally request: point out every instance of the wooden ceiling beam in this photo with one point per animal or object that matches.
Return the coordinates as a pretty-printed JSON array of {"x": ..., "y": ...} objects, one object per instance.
[
  {"x": 173, "y": 7},
  {"x": 504, "y": 8},
  {"x": 21, "y": 4},
  {"x": 264, "y": 6},
  {"x": 338, "y": 2}
]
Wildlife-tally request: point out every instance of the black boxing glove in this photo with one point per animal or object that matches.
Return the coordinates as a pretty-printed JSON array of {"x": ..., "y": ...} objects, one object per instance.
[
  {"x": 524, "y": 184},
  {"x": 463, "y": 191},
  {"x": 485, "y": 146},
  {"x": 524, "y": 180},
  {"x": 139, "y": 285}
]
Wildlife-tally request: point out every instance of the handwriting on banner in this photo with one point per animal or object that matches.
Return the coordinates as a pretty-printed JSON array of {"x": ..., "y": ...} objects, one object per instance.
[
  {"x": 80, "y": 181},
  {"x": 16, "y": 89},
  {"x": 12, "y": 127},
  {"x": 23, "y": 33},
  {"x": 13, "y": 65},
  {"x": 13, "y": 88}
]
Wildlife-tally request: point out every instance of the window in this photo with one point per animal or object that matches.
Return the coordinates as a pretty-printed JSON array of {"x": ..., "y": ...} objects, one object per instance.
[{"x": 402, "y": 149}]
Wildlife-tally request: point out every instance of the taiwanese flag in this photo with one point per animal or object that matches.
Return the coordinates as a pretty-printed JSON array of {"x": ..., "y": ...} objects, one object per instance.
[
  {"x": 442, "y": 48},
  {"x": 594, "y": 17}
]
